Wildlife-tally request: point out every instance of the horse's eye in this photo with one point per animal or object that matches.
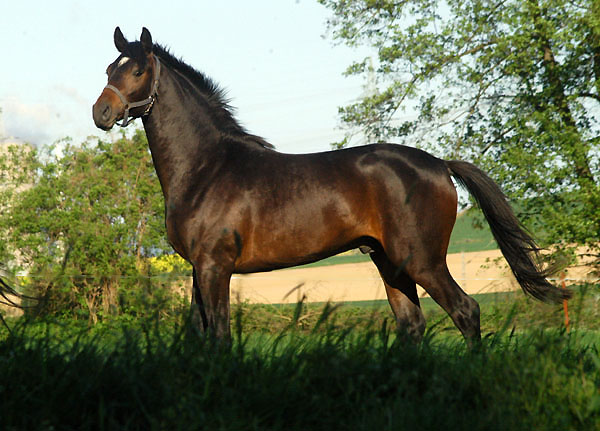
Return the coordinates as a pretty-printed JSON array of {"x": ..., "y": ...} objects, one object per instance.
[{"x": 139, "y": 72}]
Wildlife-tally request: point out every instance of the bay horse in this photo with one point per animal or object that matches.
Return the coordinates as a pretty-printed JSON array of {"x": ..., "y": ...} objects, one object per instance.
[{"x": 235, "y": 205}]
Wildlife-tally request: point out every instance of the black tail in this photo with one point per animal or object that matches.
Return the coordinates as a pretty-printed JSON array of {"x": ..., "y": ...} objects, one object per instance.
[{"x": 517, "y": 246}]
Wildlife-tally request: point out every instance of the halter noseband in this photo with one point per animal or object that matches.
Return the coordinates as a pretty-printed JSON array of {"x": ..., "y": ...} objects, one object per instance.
[{"x": 147, "y": 101}]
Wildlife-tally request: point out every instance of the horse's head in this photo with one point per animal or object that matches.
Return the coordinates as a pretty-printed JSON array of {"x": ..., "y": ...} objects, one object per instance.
[{"x": 132, "y": 82}]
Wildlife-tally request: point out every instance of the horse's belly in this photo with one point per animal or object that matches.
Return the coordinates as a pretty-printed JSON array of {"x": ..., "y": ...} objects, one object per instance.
[{"x": 296, "y": 242}]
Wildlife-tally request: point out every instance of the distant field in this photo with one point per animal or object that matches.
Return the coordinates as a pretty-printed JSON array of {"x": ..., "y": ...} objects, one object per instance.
[
  {"x": 428, "y": 305},
  {"x": 465, "y": 238}
]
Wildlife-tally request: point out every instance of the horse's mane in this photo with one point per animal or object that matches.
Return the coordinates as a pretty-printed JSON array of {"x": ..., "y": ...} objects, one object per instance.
[{"x": 215, "y": 95}]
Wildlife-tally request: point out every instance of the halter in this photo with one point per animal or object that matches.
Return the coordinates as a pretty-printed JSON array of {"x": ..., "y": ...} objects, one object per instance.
[{"x": 147, "y": 101}]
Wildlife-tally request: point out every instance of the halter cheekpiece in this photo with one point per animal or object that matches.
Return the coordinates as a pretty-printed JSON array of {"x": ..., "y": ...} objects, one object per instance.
[{"x": 147, "y": 101}]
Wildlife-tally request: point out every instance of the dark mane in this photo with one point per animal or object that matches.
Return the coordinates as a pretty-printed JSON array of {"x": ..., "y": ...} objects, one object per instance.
[{"x": 215, "y": 95}]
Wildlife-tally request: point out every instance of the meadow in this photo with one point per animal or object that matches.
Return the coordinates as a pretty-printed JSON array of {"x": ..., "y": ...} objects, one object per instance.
[{"x": 308, "y": 367}]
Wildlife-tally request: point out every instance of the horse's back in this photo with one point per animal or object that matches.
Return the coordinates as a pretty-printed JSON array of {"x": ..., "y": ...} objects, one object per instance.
[{"x": 256, "y": 164}]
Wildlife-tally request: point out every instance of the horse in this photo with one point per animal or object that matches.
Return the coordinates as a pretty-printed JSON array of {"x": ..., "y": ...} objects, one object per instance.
[{"x": 235, "y": 205}]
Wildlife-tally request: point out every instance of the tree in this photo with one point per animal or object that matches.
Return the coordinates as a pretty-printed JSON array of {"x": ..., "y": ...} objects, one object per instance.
[
  {"x": 83, "y": 221},
  {"x": 513, "y": 85}
]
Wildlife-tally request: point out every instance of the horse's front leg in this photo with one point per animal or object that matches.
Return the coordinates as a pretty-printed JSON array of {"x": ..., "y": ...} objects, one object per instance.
[{"x": 210, "y": 299}]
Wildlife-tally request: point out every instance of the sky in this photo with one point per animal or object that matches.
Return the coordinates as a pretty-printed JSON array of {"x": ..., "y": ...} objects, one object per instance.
[{"x": 282, "y": 71}]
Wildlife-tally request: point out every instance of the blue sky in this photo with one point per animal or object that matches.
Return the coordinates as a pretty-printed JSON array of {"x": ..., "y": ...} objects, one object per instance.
[{"x": 283, "y": 77}]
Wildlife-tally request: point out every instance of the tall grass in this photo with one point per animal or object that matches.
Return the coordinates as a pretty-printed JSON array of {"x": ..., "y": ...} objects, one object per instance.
[{"x": 312, "y": 373}]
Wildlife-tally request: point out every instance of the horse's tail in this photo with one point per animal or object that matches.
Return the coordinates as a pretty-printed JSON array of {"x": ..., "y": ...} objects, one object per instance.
[{"x": 517, "y": 246}]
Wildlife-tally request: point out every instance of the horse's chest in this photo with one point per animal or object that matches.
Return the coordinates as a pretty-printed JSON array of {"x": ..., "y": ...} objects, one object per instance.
[
  {"x": 187, "y": 230},
  {"x": 176, "y": 229}
]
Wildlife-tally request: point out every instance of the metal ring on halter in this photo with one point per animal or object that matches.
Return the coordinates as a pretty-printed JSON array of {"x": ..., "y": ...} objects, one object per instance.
[{"x": 147, "y": 101}]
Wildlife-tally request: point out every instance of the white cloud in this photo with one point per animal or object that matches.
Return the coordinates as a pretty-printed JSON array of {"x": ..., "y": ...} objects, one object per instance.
[
  {"x": 28, "y": 122},
  {"x": 65, "y": 114}
]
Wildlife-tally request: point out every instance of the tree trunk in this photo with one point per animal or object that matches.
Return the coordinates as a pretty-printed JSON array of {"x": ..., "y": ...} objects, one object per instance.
[
  {"x": 578, "y": 153},
  {"x": 109, "y": 297}
]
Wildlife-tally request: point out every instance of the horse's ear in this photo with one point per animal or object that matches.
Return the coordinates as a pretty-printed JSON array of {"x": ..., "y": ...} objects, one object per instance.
[
  {"x": 146, "y": 40},
  {"x": 120, "y": 41}
]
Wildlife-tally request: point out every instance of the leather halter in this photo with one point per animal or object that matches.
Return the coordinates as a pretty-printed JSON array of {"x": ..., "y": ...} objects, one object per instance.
[{"x": 147, "y": 101}]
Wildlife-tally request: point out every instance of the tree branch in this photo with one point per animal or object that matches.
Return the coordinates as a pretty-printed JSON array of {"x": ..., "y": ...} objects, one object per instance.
[{"x": 588, "y": 95}]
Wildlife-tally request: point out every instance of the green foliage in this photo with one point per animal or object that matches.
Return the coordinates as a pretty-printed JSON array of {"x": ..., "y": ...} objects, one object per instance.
[
  {"x": 84, "y": 221},
  {"x": 513, "y": 86}
]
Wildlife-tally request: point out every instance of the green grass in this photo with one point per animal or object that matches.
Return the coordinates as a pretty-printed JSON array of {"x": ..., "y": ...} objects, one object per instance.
[
  {"x": 525, "y": 312},
  {"x": 308, "y": 367},
  {"x": 322, "y": 381}
]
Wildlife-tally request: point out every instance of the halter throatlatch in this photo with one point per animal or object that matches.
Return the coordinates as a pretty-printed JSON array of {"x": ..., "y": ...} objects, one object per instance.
[{"x": 147, "y": 101}]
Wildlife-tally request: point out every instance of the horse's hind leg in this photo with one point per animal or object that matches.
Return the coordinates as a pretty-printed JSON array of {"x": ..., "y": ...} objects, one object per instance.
[
  {"x": 421, "y": 242},
  {"x": 402, "y": 295},
  {"x": 464, "y": 310}
]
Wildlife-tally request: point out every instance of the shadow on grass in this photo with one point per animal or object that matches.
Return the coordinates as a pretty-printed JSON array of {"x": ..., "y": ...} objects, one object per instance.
[{"x": 331, "y": 370}]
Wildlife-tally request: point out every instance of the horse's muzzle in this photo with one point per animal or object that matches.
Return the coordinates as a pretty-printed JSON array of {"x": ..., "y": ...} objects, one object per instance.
[{"x": 103, "y": 115}]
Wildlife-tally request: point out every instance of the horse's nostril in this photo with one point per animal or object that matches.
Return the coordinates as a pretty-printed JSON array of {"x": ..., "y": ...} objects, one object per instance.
[{"x": 106, "y": 112}]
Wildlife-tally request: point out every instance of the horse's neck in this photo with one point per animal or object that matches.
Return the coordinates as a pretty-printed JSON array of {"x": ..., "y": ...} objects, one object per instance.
[{"x": 183, "y": 140}]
